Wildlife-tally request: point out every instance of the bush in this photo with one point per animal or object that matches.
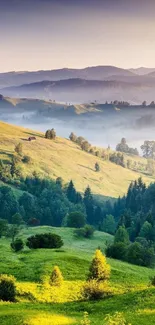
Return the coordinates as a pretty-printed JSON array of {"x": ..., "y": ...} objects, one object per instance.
[
  {"x": 116, "y": 319},
  {"x": 87, "y": 231},
  {"x": 99, "y": 269},
  {"x": 44, "y": 241},
  {"x": 76, "y": 220},
  {"x": 17, "y": 245},
  {"x": 85, "y": 320},
  {"x": 56, "y": 278},
  {"x": 27, "y": 160},
  {"x": 117, "y": 251},
  {"x": 7, "y": 288},
  {"x": 93, "y": 290}
]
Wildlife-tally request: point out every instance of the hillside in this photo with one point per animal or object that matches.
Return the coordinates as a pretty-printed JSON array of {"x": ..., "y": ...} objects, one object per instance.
[
  {"x": 132, "y": 294},
  {"x": 64, "y": 158}
]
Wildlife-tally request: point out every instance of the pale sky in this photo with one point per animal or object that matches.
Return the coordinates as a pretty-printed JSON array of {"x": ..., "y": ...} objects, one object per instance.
[{"x": 52, "y": 34}]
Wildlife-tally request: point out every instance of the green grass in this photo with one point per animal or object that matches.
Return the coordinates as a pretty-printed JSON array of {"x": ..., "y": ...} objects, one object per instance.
[
  {"x": 133, "y": 295},
  {"x": 64, "y": 158}
]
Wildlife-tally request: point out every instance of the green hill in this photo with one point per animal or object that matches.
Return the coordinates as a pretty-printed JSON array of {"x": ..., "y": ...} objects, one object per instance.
[
  {"x": 64, "y": 158},
  {"x": 132, "y": 294}
]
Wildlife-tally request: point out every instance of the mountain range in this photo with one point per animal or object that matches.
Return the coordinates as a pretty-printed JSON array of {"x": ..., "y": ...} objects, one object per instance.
[{"x": 100, "y": 83}]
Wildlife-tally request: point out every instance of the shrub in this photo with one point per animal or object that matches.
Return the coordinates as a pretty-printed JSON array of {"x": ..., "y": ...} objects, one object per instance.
[
  {"x": 44, "y": 241},
  {"x": 27, "y": 160},
  {"x": 116, "y": 319},
  {"x": 87, "y": 231},
  {"x": 17, "y": 245},
  {"x": 7, "y": 288},
  {"x": 56, "y": 278},
  {"x": 99, "y": 269},
  {"x": 118, "y": 251},
  {"x": 76, "y": 220},
  {"x": 85, "y": 320},
  {"x": 94, "y": 290}
]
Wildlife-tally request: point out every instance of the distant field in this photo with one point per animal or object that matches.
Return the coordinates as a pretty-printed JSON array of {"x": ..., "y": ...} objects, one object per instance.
[
  {"x": 64, "y": 158},
  {"x": 133, "y": 295}
]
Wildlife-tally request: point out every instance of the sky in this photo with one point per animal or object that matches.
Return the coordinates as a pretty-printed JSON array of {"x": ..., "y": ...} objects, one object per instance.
[{"x": 53, "y": 34}]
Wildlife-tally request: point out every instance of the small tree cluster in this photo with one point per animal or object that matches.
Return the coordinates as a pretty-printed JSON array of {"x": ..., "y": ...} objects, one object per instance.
[
  {"x": 87, "y": 231},
  {"x": 50, "y": 134}
]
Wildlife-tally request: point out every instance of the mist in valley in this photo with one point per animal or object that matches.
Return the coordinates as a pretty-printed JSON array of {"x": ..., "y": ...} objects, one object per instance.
[{"x": 101, "y": 130}]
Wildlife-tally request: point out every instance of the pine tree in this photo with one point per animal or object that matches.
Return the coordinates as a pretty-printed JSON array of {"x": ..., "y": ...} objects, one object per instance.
[
  {"x": 56, "y": 278},
  {"x": 71, "y": 192},
  {"x": 121, "y": 236},
  {"x": 99, "y": 269},
  {"x": 89, "y": 204}
]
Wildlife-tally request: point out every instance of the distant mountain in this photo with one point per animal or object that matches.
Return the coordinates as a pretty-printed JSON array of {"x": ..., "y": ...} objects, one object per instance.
[
  {"x": 86, "y": 91},
  {"x": 90, "y": 73},
  {"x": 142, "y": 70}
]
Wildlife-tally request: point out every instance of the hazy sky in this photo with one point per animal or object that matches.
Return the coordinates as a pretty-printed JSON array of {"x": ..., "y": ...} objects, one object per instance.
[{"x": 51, "y": 34}]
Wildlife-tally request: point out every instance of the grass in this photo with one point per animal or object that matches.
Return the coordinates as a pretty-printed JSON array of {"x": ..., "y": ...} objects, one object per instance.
[
  {"x": 64, "y": 158},
  {"x": 132, "y": 293}
]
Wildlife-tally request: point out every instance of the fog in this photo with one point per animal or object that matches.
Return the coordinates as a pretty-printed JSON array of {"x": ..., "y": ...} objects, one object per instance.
[{"x": 99, "y": 130}]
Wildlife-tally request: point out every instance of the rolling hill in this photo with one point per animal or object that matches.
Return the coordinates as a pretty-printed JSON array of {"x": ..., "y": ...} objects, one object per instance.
[{"x": 64, "y": 158}]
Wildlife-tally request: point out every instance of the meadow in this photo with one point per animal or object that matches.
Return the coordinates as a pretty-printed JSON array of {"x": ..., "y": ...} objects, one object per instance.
[
  {"x": 37, "y": 304},
  {"x": 63, "y": 158}
]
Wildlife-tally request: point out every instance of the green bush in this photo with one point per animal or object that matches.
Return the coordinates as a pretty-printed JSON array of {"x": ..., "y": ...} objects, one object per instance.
[
  {"x": 87, "y": 231},
  {"x": 7, "y": 288},
  {"x": 44, "y": 241},
  {"x": 17, "y": 245},
  {"x": 94, "y": 290},
  {"x": 118, "y": 251},
  {"x": 76, "y": 220}
]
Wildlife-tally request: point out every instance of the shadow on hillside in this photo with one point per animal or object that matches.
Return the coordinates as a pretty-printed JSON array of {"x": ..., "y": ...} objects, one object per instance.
[
  {"x": 34, "y": 134},
  {"x": 86, "y": 167}
]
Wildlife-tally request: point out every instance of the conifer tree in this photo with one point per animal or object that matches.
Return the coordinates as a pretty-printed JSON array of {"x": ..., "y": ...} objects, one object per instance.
[
  {"x": 89, "y": 204},
  {"x": 71, "y": 192},
  {"x": 56, "y": 278},
  {"x": 99, "y": 269}
]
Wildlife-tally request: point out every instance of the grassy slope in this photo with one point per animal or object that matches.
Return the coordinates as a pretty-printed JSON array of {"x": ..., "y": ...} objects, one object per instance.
[
  {"x": 136, "y": 300},
  {"x": 64, "y": 158}
]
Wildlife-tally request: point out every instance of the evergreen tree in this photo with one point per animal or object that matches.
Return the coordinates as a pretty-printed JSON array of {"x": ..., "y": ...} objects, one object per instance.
[
  {"x": 56, "y": 278},
  {"x": 109, "y": 224},
  {"x": 99, "y": 269},
  {"x": 121, "y": 236},
  {"x": 71, "y": 192},
  {"x": 89, "y": 204}
]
